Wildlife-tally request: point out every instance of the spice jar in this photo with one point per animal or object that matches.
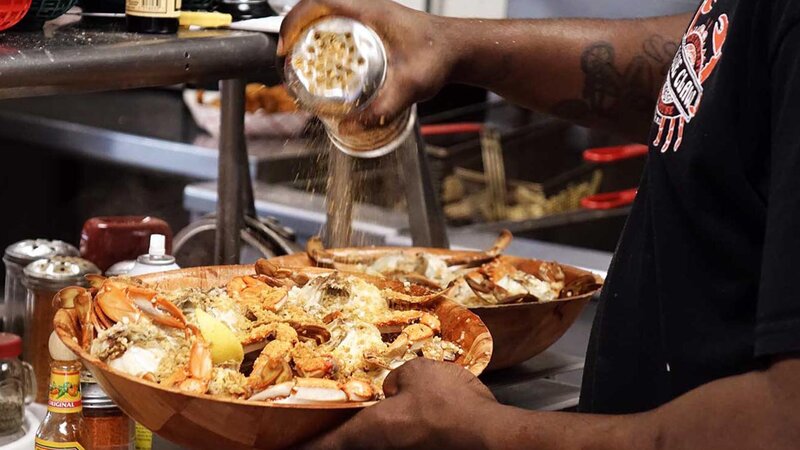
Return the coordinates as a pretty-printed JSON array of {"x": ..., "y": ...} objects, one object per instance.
[
  {"x": 43, "y": 279},
  {"x": 17, "y": 384},
  {"x": 13, "y": 313},
  {"x": 105, "y": 426}
]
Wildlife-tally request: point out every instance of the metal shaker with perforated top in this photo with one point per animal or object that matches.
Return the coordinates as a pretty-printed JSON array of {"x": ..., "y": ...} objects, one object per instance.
[{"x": 335, "y": 70}]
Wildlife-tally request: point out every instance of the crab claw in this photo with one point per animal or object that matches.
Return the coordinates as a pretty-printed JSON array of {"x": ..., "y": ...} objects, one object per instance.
[
  {"x": 279, "y": 277},
  {"x": 72, "y": 297},
  {"x": 316, "y": 252},
  {"x": 95, "y": 281},
  {"x": 114, "y": 304},
  {"x": 358, "y": 391}
]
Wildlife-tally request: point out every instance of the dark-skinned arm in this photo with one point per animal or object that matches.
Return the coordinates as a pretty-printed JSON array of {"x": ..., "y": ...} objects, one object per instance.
[
  {"x": 439, "y": 405},
  {"x": 600, "y": 73}
]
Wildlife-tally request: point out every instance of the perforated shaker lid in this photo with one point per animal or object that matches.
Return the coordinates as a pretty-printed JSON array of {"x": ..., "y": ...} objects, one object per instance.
[
  {"x": 58, "y": 272},
  {"x": 29, "y": 250},
  {"x": 336, "y": 66}
]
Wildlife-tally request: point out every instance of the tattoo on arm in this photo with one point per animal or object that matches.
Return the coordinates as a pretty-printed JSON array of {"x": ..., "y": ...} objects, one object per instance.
[{"x": 611, "y": 94}]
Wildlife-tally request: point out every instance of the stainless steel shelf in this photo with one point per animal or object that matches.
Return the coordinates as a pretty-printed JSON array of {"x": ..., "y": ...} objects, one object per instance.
[
  {"x": 148, "y": 129},
  {"x": 72, "y": 59}
]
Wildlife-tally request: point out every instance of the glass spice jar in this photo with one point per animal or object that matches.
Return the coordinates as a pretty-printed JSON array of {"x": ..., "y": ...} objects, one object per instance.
[
  {"x": 105, "y": 426},
  {"x": 14, "y": 316},
  {"x": 44, "y": 278},
  {"x": 17, "y": 385}
]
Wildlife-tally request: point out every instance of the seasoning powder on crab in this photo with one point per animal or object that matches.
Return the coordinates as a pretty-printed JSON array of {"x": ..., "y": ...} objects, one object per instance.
[
  {"x": 350, "y": 296},
  {"x": 328, "y": 338}
]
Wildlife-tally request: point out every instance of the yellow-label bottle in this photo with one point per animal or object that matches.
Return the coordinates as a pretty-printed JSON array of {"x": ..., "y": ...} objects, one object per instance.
[{"x": 61, "y": 427}]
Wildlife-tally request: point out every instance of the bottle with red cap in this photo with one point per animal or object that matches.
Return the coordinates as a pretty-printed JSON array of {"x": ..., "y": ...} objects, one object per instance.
[{"x": 17, "y": 385}]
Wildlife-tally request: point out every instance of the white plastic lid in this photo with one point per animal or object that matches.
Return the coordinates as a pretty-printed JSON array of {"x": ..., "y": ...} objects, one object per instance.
[{"x": 158, "y": 243}]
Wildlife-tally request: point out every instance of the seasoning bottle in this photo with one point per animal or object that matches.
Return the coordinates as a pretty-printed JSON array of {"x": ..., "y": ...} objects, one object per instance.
[
  {"x": 105, "y": 426},
  {"x": 152, "y": 16},
  {"x": 61, "y": 427},
  {"x": 156, "y": 259},
  {"x": 44, "y": 278}
]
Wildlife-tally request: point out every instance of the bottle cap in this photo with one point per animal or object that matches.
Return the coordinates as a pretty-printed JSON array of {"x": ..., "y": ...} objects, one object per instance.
[
  {"x": 10, "y": 345},
  {"x": 158, "y": 244},
  {"x": 58, "y": 350}
]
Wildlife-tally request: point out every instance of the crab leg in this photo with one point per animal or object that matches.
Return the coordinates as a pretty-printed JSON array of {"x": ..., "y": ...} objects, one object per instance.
[
  {"x": 500, "y": 244},
  {"x": 281, "y": 277}
]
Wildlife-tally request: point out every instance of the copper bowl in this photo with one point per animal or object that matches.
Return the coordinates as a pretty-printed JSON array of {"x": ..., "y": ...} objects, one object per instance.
[
  {"x": 204, "y": 422},
  {"x": 520, "y": 331}
]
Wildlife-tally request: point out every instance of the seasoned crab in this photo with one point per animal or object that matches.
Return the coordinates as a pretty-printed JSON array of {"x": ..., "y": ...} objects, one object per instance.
[
  {"x": 499, "y": 282},
  {"x": 111, "y": 303},
  {"x": 320, "y": 336},
  {"x": 428, "y": 269}
]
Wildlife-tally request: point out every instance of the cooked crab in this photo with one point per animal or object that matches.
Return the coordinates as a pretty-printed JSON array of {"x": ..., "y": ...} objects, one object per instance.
[
  {"x": 117, "y": 318},
  {"x": 324, "y": 336},
  {"x": 429, "y": 269}
]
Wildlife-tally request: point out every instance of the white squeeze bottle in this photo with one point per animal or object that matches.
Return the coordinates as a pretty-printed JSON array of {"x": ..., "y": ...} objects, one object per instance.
[{"x": 156, "y": 259}]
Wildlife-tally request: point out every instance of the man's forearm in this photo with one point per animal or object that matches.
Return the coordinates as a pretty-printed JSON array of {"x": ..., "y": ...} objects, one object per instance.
[
  {"x": 599, "y": 73},
  {"x": 751, "y": 411}
]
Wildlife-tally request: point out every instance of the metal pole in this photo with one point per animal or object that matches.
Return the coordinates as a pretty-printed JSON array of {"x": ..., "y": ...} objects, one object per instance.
[
  {"x": 231, "y": 188},
  {"x": 425, "y": 216}
]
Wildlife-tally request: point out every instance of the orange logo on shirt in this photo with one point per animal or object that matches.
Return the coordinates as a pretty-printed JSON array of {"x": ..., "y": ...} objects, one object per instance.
[{"x": 683, "y": 91}]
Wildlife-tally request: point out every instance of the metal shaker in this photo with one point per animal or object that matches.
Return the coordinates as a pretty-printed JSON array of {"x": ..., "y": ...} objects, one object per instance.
[
  {"x": 43, "y": 279},
  {"x": 16, "y": 257},
  {"x": 336, "y": 69}
]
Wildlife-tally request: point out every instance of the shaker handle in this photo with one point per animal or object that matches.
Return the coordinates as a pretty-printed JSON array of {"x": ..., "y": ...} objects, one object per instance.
[{"x": 30, "y": 387}]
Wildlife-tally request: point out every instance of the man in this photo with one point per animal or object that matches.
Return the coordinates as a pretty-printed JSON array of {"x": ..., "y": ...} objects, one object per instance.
[{"x": 695, "y": 341}]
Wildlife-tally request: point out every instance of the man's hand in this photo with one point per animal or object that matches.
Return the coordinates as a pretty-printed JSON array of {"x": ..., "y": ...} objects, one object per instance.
[
  {"x": 419, "y": 56},
  {"x": 429, "y": 405}
]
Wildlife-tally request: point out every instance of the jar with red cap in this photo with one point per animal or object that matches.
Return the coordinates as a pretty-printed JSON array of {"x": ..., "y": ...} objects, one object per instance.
[{"x": 17, "y": 385}]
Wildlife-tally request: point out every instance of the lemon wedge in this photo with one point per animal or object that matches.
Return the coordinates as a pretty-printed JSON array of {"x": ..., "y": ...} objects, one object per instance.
[{"x": 225, "y": 346}]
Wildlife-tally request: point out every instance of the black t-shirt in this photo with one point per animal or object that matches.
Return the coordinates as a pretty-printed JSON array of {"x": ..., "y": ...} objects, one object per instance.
[{"x": 704, "y": 283}]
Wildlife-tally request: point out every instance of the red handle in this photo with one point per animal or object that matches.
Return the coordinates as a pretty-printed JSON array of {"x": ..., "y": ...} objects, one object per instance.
[
  {"x": 609, "y": 200},
  {"x": 612, "y": 154},
  {"x": 451, "y": 128}
]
